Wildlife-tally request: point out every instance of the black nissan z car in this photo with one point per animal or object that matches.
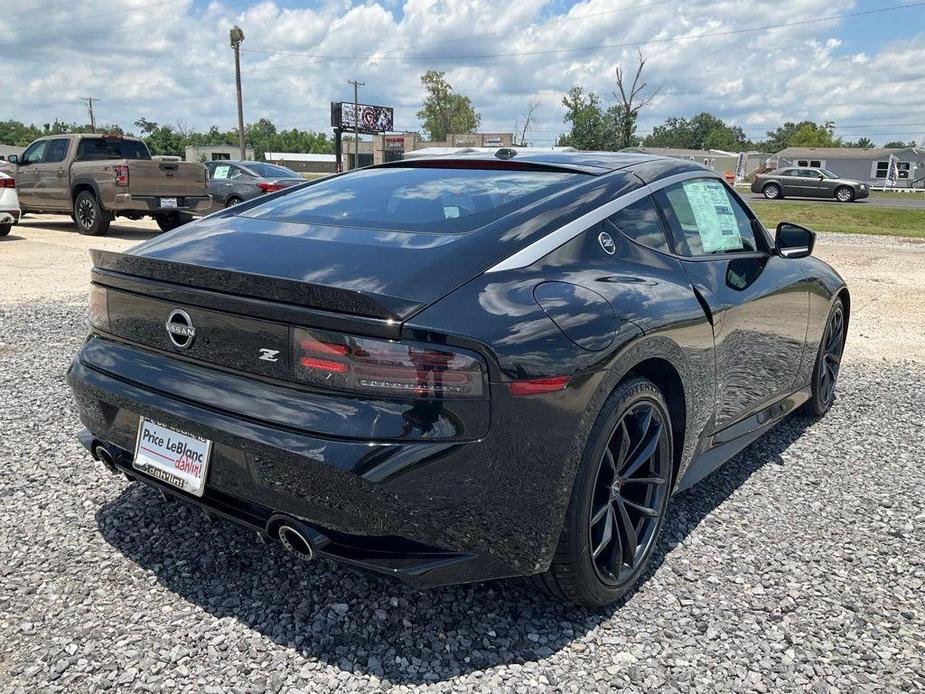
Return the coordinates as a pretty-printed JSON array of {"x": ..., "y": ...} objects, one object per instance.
[{"x": 459, "y": 369}]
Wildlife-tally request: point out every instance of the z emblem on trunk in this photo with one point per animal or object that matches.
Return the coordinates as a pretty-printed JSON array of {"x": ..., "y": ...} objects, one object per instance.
[{"x": 269, "y": 354}]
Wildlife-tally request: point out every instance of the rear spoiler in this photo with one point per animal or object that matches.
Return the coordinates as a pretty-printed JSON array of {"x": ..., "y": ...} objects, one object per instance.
[{"x": 109, "y": 264}]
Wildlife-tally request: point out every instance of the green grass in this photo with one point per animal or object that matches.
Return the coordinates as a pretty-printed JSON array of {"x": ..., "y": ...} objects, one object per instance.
[
  {"x": 894, "y": 195},
  {"x": 847, "y": 218}
]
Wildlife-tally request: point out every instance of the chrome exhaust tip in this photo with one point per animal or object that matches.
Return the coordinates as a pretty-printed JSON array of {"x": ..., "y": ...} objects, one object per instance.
[
  {"x": 102, "y": 454},
  {"x": 296, "y": 543}
]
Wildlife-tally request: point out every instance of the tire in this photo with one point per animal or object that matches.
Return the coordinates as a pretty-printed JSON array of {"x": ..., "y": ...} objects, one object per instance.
[
  {"x": 634, "y": 418},
  {"x": 844, "y": 194},
  {"x": 828, "y": 362},
  {"x": 172, "y": 220},
  {"x": 5, "y": 229},
  {"x": 772, "y": 191},
  {"x": 233, "y": 200},
  {"x": 90, "y": 217}
]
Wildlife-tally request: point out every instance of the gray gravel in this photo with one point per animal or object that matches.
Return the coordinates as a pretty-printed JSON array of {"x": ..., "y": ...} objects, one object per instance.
[{"x": 797, "y": 567}]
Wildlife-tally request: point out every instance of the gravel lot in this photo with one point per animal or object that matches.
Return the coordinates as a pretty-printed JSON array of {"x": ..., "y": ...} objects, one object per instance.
[{"x": 799, "y": 566}]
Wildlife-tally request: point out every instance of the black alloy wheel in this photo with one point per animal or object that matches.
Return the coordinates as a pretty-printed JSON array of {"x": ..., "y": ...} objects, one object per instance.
[
  {"x": 619, "y": 499},
  {"x": 91, "y": 219},
  {"x": 828, "y": 362},
  {"x": 629, "y": 494}
]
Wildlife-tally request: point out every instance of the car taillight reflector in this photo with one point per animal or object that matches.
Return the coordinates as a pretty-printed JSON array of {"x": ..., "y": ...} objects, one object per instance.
[
  {"x": 7, "y": 182},
  {"x": 99, "y": 307},
  {"x": 535, "y": 386},
  {"x": 269, "y": 187},
  {"x": 381, "y": 367},
  {"x": 121, "y": 172}
]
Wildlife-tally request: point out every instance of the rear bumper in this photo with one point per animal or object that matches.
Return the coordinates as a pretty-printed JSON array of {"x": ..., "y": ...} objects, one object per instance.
[
  {"x": 126, "y": 202},
  {"x": 10, "y": 216},
  {"x": 429, "y": 512}
]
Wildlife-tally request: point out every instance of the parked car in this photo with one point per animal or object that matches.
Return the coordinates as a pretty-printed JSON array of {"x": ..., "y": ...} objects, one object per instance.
[
  {"x": 806, "y": 182},
  {"x": 233, "y": 182},
  {"x": 95, "y": 178},
  {"x": 9, "y": 203},
  {"x": 457, "y": 369}
]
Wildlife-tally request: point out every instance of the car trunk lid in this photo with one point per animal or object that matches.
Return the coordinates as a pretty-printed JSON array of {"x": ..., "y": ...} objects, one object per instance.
[{"x": 367, "y": 272}]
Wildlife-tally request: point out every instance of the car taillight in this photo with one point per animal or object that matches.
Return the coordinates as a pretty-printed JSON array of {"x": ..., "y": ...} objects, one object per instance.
[
  {"x": 269, "y": 187},
  {"x": 99, "y": 307},
  {"x": 7, "y": 182},
  {"x": 121, "y": 172},
  {"x": 365, "y": 365}
]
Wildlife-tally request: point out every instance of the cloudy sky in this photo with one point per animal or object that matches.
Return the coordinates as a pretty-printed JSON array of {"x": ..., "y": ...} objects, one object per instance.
[{"x": 755, "y": 63}]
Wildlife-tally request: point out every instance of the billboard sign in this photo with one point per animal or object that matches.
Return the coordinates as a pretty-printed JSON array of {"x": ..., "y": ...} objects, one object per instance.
[{"x": 365, "y": 117}]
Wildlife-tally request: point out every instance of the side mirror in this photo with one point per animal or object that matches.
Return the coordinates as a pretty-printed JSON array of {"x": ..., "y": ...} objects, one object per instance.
[
  {"x": 794, "y": 241},
  {"x": 13, "y": 159}
]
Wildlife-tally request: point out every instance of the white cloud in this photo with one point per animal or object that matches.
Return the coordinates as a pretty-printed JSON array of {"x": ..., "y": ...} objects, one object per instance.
[{"x": 169, "y": 60}]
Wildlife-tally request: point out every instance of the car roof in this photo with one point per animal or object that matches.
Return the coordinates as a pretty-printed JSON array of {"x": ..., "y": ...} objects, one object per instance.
[{"x": 595, "y": 163}]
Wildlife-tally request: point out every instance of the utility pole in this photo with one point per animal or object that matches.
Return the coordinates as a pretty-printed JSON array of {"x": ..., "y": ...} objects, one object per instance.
[
  {"x": 237, "y": 36},
  {"x": 89, "y": 100},
  {"x": 356, "y": 121}
]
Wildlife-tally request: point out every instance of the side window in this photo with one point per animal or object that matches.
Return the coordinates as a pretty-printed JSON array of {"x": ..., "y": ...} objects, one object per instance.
[
  {"x": 641, "y": 223},
  {"x": 57, "y": 150},
  {"x": 706, "y": 219},
  {"x": 234, "y": 172},
  {"x": 35, "y": 153}
]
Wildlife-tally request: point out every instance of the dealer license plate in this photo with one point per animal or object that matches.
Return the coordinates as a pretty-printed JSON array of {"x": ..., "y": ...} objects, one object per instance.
[
  {"x": 168, "y": 202},
  {"x": 175, "y": 457}
]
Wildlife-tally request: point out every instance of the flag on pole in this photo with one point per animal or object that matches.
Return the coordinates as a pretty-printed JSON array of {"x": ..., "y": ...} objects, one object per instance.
[
  {"x": 892, "y": 171},
  {"x": 740, "y": 167}
]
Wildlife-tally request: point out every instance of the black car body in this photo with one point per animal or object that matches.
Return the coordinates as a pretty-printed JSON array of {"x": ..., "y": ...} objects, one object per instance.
[{"x": 410, "y": 364}]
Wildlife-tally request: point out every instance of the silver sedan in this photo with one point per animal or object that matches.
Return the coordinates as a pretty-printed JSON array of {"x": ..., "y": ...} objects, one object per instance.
[
  {"x": 233, "y": 182},
  {"x": 806, "y": 182}
]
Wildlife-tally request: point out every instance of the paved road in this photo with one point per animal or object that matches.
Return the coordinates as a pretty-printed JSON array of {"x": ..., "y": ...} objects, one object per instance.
[{"x": 913, "y": 200}]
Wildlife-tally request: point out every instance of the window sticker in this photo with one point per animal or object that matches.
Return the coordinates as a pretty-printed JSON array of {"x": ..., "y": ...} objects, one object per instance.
[
  {"x": 715, "y": 218},
  {"x": 221, "y": 172}
]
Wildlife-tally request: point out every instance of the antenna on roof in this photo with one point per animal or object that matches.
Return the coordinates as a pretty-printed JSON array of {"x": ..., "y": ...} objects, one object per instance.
[{"x": 506, "y": 153}]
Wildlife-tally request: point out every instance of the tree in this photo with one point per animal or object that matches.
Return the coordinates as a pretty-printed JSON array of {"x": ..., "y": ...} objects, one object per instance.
[
  {"x": 583, "y": 111},
  {"x": 445, "y": 111},
  {"x": 631, "y": 100},
  {"x": 803, "y": 134},
  {"x": 860, "y": 143},
  {"x": 703, "y": 131},
  {"x": 899, "y": 144},
  {"x": 527, "y": 121}
]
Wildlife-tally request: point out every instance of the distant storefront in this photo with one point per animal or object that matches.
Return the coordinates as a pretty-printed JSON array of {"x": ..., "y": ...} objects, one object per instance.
[
  {"x": 304, "y": 163},
  {"x": 217, "y": 153}
]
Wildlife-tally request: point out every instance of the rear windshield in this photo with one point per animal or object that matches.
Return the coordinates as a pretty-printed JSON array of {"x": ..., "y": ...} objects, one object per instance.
[
  {"x": 416, "y": 199},
  {"x": 270, "y": 170},
  {"x": 100, "y": 148}
]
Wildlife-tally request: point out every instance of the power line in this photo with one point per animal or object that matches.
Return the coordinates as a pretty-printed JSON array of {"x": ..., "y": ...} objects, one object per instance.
[
  {"x": 523, "y": 29},
  {"x": 73, "y": 20},
  {"x": 596, "y": 47},
  {"x": 46, "y": 39}
]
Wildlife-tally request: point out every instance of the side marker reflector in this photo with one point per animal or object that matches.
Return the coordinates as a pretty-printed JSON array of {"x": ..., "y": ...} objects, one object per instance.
[{"x": 538, "y": 385}]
